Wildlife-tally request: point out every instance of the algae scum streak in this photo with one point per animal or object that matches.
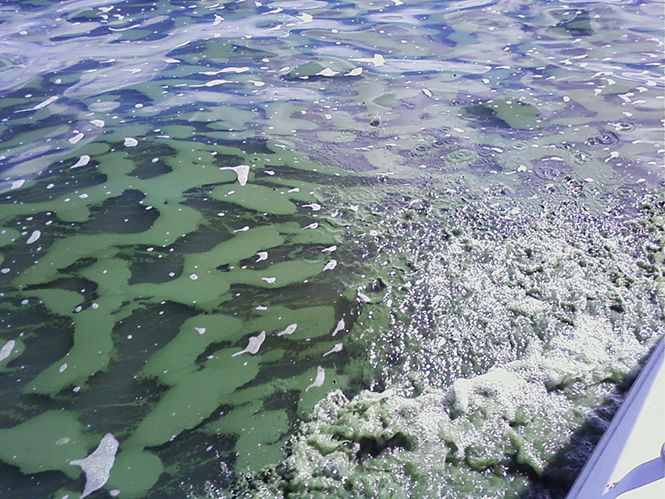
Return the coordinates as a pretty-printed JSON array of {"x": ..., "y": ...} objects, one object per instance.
[{"x": 319, "y": 248}]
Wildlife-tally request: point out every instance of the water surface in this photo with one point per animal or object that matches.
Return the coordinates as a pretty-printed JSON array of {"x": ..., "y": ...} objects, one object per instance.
[{"x": 214, "y": 215}]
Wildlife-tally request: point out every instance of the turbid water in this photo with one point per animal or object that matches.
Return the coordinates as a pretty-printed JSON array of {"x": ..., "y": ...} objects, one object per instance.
[{"x": 319, "y": 248}]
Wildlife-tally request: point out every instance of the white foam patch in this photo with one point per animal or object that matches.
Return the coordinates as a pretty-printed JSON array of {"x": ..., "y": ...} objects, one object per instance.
[
  {"x": 327, "y": 72},
  {"x": 340, "y": 327},
  {"x": 236, "y": 70},
  {"x": 330, "y": 265},
  {"x": 262, "y": 255},
  {"x": 34, "y": 237},
  {"x": 83, "y": 160},
  {"x": 377, "y": 60},
  {"x": 336, "y": 348},
  {"x": 76, "y": 138},
  {"x": 45, "y": 103},
  {"x": 319, "y": 379},
  {"x": 241, "y": 171},
  {"x": 97, "y": 466},
  {"x": 290, "y": 329},
  {"x": 253, "y": 345},
  {"x": 131, "y": 142},
  {"x": 212, "y": 83},
  {"x": 7, "y": 349}
]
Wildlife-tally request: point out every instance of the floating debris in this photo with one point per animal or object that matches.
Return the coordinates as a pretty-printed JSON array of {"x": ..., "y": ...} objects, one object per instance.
[
  {"x": 97, "y": 466},
  {"x": 82, "y": 161},
  {"x": 34, "y": 237},
  {"x": 241, "y": 171},
  {"x": 327, "y": 72},
  {"x": 7, "y": 349},
  {"x": 330, "y": 265},
  {"x": 336, "y": 348},
  {"x": 76, "y": 138},
  {"x": 41, "y": 105},
  {"x": 253, "y": 345},
  {"x": 355, "y": 72},
  {"x": 377, "y": 60},
  {"x": 319, "y": 379},
  {"x": 340, "y": 327},
  {"x": 290, "y": 329}
]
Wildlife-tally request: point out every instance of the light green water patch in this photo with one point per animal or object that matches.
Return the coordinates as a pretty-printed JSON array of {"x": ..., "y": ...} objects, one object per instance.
[
  {"x": 174, "y": 222},
  {"x": 117, "y": 135},
  {"x": 179, "y": 131},
  {"x": 225, "y": 117},
  {"x": 58, "y": 301},
  {"x": 286, "y": 118},
  {"x": 515, "y": 112},
  {"x": 255, "y": 197},
  {"x": 243, "y": 245},
  {"x": 311, "y": 322},
  {"x": 258, "y": 432},
  {"x": 178, "y": 357},
  {"x": 90, "y": 353},
  {"x": 134, "y": 472},
  {"x": 277, "y": 275},
  {"x": 46, "y": 442},
  {"x": 200, "y": 282},
  {"x": 182, "y": 407},
  {"x": 203, "y": 289}
]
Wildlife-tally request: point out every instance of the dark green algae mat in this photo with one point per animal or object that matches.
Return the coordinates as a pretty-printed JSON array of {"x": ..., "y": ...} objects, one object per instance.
[{"x": 323, "y": 249}]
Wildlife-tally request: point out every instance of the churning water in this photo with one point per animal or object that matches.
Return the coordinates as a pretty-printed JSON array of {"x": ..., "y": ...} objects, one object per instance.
[{"x": 388, "y": 248}]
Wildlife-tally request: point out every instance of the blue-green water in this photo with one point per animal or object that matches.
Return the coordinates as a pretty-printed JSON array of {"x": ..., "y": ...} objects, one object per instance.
[{"x": 420, "y": 242}]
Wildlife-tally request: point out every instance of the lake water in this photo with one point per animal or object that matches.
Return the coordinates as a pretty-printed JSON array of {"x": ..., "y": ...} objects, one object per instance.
[{"x": 384, "y": 248}]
